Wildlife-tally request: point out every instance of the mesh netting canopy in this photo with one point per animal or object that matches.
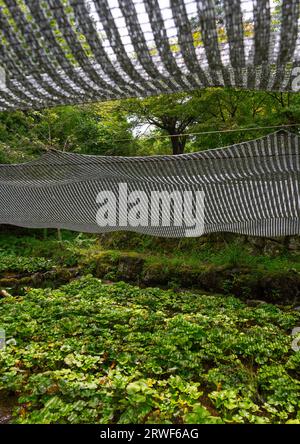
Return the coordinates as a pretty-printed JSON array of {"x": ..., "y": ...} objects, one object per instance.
[
  {"x": 76, "y": 51},
  {"x": 250, "y": 188},
  {"x": 72, "y": 51}
]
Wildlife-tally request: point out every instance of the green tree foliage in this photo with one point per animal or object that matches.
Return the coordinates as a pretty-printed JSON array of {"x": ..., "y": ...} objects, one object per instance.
[
  {"x": 173, "y": 115},
  {"x": 93, "y": 129},
  {"x": 214, "y": 109},
  {"x": 156, "y": 125}
]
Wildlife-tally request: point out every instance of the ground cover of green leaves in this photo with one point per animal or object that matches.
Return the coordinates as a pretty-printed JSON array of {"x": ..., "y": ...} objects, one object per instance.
[
  {"x": 90, "y": 352},
  {"x": 21, "y": 264}
]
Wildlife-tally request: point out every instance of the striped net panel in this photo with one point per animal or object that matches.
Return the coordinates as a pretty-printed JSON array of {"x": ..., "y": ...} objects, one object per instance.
[
  {"x": 76, "y": 51},
  {"x": 250, "y": 188}
]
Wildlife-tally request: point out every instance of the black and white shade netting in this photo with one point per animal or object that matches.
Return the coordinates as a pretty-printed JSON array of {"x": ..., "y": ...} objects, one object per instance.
[
  {"x": 76, "y": 51},
  {"x": 250, "y": 188}
]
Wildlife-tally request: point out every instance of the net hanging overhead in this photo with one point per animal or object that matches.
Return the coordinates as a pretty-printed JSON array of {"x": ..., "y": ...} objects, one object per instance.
[
  {"x": 250, "y": 188},
  {"x": 71, "y": 51},
  {"x": 76, "y": 51}
]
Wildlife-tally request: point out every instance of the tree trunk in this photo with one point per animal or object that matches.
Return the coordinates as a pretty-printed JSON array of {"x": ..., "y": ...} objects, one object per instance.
[
  {"x": 178, "y": 144},
  {"x": 286, "y": 243}
]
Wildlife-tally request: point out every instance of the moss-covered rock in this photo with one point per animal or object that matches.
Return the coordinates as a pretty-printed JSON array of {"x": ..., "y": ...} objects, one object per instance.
[
  {"x": 247, "y": 283},
  {"x": 52, "y": 278},
  {"x": 113, "y": 265},
  {"x": 276, "y": 287}
]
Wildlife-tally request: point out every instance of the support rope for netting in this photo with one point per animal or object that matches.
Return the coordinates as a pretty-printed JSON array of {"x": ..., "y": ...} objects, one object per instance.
[{"x": 199, "y": 133}]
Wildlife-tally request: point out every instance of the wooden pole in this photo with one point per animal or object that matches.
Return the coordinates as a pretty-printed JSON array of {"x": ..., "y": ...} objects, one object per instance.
[{"x": 59, "y": 236}]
